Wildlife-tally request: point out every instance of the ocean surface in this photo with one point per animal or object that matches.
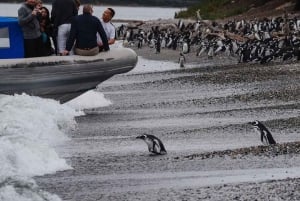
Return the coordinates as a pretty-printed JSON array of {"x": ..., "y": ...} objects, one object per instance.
[
  {"x": 122, "y": 12},
  {"x": 86, "y": 150}
]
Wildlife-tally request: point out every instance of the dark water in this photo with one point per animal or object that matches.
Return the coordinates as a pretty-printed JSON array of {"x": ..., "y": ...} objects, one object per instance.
[{"x": 192, "y": 111}]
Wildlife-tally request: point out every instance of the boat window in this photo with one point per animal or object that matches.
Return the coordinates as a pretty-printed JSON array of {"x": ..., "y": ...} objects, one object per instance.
[{"x": 4, "y": 38}]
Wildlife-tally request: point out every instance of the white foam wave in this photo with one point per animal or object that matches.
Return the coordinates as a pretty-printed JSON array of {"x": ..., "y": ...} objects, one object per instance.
[
  {"x": 30, "y": 129},
  {"x": 88, "y": 100}
]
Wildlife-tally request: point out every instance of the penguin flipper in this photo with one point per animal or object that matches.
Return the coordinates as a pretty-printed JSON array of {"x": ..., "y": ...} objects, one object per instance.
[
  {"x": 262, "y": 136},
  {"x": 158, "y": 147},
  {"x": 162, "y": 148},
  {"x": 271, "y": 139}
]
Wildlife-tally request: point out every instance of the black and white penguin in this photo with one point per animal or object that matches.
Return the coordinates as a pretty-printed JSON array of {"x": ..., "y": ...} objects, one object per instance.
[
  {"x": 185, "y": 47},
  {"x": 181, "y": 60},
  {"x": 155, "y": 145},
  {"x": 265, "y": 135}
]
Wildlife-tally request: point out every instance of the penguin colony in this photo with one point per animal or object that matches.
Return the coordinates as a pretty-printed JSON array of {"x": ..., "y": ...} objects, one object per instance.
[{"x": 257, "y": 41}]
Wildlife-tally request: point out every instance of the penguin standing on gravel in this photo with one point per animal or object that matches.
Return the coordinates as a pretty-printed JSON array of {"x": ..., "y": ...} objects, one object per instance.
[
  {"x": 155, "y": 145},
  {"x": 181, "y": 60},
  {"x": 265, "y": 135}
]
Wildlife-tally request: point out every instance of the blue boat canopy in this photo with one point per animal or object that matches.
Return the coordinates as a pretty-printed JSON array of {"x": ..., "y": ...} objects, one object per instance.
[{"x": 11, "y": 38}]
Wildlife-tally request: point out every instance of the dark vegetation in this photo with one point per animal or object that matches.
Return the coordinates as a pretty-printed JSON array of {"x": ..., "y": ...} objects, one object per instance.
[{"x": 220, "y": 9}]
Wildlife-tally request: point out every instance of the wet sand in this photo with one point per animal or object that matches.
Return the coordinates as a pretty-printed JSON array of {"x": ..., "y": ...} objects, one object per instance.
[{"x": 201, "y": 115}]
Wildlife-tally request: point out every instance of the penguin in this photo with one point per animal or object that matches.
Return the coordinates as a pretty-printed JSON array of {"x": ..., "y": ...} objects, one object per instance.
[
  {"x": 168, "y": 45},
  {"x": 210, "y": 52},
  {"x": 266, "y": 59},
  {"x": 265, "y": 135},
  {"x": 185, "y": 48},
  {"x": 157, "y": 45},
  {"x": 163, "y": 42},
  {"x": 152, "y": 43},
  {"x": 155, "y": 145},
  {"x": 220, "y": 47},
  {"x": 202, "y": 48},
  {"x": 181, "y": 60},
  {"x": 127, "y": 35}
]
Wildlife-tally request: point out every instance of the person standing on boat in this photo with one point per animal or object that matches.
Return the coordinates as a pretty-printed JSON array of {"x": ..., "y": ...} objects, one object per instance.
[
  {"x": 46, "y": 30},
  {"x": 84, "y": 31},
  {"x": 62, "y": 14},
  {"x": 77, "y": 2},
  {"x": 27, "y": 17},
  {"x": 108, "y": 27}
]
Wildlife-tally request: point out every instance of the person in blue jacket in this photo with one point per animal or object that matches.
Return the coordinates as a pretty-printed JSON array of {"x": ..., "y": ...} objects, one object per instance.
[{"x": 84, "y": 29}]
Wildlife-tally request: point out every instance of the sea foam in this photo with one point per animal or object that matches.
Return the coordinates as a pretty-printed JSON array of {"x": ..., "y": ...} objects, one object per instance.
[{"x": 30, "y": 130}]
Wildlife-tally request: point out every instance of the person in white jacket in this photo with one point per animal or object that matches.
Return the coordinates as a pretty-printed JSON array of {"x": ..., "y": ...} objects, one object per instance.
[{"x": 108, "y": 27}]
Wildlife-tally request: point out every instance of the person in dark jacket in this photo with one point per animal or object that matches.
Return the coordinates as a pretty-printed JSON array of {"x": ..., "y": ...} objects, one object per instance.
[
  {"x": 62, "y": 14},
  {"x": 84, "y": 29},
  {"x": 46, "y": 30},
  {"x": 27, "y": 17}
]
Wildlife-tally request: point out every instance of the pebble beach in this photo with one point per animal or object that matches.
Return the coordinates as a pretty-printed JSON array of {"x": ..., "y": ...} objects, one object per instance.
[
  {"x": 200, "y": 112},
  {"x": 284, "y": 154}
]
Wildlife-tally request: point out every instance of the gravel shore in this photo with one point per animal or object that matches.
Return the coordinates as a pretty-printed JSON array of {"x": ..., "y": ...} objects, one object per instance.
[
  {"x": 285, "y": 189},
  {"x": 200, "y": 113}
]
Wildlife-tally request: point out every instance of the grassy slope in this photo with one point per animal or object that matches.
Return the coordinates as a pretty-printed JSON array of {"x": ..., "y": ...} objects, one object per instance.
[{"x": 220, "y": 9}]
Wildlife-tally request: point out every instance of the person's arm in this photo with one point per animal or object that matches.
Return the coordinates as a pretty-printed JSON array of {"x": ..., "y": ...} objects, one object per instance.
[
  {"x": 71, "y": 38},
  {"x": 112, "y": 38},
  {"x": 102, "y": 35},
  {"x": 111, "y": 41},
  {"x": 24, "y": 17},
  {"x": 53, "y": 12},
  {"x": 75, "y": 8}
]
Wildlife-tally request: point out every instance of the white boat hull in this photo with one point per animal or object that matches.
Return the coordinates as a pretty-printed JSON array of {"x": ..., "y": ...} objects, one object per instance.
[{"x": 63, "y": 77}]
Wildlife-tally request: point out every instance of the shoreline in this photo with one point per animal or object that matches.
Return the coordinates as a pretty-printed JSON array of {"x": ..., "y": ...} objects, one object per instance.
[{"x": 173, "y": 56}]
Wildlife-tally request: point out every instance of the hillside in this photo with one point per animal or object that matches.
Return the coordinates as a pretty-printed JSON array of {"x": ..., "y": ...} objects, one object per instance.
[
  {"x": 224, "y": 9},
  {"x": 258, "y": 9}
]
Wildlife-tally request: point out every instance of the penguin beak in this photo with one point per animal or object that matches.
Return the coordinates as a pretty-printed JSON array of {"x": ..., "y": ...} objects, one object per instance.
[{"x": 139, "y": 137}]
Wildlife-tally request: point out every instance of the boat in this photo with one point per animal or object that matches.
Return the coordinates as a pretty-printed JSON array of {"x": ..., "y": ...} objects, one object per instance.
[
  {"x": 58, "y": 77},
  {"x": 63, "y": 77}
]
